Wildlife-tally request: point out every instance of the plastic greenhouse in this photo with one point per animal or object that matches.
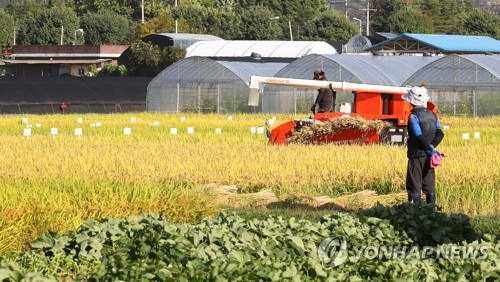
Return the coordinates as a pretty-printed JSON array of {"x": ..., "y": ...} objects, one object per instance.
[
  {"x": 265, "y": 48},
  {"x": 463, "y": 84},
  {"x": 379, "y": 70},
  {"x": 203, "y": 85}
]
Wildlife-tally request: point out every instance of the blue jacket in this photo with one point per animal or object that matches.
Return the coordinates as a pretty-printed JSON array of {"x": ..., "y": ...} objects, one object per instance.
[{"x": 424, "y": 131}]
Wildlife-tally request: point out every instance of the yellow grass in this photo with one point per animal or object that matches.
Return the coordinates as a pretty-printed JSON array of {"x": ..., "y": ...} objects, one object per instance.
[{"x": 55, "y": 183}]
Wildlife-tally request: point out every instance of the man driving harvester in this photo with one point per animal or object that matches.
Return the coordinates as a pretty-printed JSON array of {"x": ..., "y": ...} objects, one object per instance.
[{"x": 326, "y": 96}]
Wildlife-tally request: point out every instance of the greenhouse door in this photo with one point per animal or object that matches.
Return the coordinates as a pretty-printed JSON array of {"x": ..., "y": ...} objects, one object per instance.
[
  {"x": 208, "y": 98},
  {"x": 457, "y": 103}
]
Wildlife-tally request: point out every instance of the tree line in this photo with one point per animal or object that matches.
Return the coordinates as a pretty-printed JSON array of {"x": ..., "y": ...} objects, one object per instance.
[{"x": 97, "y": 22}]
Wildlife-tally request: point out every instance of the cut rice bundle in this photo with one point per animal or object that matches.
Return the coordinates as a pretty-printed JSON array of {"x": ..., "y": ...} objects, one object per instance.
[{"x": 308, "y": 134}]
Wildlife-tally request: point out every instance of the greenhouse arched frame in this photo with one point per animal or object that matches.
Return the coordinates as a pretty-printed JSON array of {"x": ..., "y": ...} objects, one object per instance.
[{"x": 203, "y": 85}]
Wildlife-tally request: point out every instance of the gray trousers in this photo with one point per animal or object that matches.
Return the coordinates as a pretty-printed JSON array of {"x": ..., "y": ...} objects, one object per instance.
[{"x": 420, "y": 177}]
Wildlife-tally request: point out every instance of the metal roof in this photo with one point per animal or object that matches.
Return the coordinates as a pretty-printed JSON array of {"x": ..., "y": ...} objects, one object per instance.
[
  {"x": 386, "y": 34},
  {"x": 437, "y": 43},
  {"x": 380, "y": 70},
  {"x": 269, "y": 49}
]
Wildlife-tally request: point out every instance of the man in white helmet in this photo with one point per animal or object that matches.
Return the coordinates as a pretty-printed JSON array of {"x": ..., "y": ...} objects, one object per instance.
[{"x": 425, "y": 134}]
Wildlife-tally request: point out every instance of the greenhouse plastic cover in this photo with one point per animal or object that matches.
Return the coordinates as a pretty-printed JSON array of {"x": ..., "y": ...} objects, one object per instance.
[
  {"x": 480, "y": 71},
  {"x": 380, "y": 70},
  {"x": 269, "y": 49},
  {"x": 205, "y": 69}
]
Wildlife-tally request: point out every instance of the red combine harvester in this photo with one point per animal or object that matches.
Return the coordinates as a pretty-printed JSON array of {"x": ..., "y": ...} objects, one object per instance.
[{"x": 371, "y": 102}]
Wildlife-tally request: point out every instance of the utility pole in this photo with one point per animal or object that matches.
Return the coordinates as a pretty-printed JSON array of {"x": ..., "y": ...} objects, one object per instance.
[
  {"x": 356, "y": 19},
  {"x": 62, "y": 34},
  {"x": 345, "y": 2},
  {"x": 142, "y": 11},
  {"x": 367, "y": 16},
  {"x": 176, "y": 24}
]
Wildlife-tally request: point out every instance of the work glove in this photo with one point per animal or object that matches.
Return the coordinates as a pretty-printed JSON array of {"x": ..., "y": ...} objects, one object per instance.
[
  {"x": 313, "y": 108},
  {"x": 430, "y": 153}
]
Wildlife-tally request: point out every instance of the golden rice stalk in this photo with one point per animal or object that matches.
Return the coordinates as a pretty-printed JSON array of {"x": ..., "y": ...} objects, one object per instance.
[{"x": 308, "y": 134}]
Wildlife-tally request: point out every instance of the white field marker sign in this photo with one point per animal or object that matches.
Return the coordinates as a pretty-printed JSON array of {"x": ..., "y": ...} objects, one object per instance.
[
  {"x": 270, "y": 121},
  {"x": 218, "y": 131},
  {"x": 173, "y": 130},
  {"x": 92, "y": 125},
  {"x": 127, "y": 131},
  {"x": 133, "y": 119},
  {"x": 25, "y": 120},
  {"x": 253, "y": 130},
  {"x": 79, "y": 120},
  {"x": 156, "y": 123},
  {"x": 260, "y": 130},
  {"x": 78, "y": 132},
  {"x": 190, "y": 130},
  {"x": 27, "y": 132},
  {"x": 53, "y": 132},
  {"x": 446, "y": 127},
  {"x": 465, "y": 136},
  {"x": 229, "y": 118},
  {"x": 38, "y": 125},
  {"x": 98, "y": 124},
  {"x": 183, "y": 118},
  {"x": 477, "y": 135}
]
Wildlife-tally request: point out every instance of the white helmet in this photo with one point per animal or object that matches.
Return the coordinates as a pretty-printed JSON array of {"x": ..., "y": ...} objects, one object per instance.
[{"x": 416, "y": 96}]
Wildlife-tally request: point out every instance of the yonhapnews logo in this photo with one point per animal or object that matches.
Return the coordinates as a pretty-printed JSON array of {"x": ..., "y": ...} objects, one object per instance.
[{"x": 333, "y": 252}]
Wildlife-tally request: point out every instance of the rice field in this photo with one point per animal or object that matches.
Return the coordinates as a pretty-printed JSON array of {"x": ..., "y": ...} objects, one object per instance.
[{"x": 55, "y": 182}]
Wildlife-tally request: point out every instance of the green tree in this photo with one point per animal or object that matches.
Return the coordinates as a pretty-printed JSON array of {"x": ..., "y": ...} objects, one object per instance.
[
  {"x": 155, "y": 8},
  {"x": 410, "y": 20},
  {"x": 105, "y": 28},
  {"x": 446, "y": 15},
  {"x": 162, "y": 23},
  {"x": 174, "y": 54},
  {"x": 259, "y": 23},
  {"x": 129, "y": 8},
  {"x": 301, "y": 10},
  {"x": 384, "y": 10},
  {"x": 147, "y": 59},
  {"x": 329, "y": 25},
  {"x": 224, "y": 22},
  {"x": 7, "y": 30},
  {"x": 44, "y": 26},
  {"x": 482, "y": 22},
  {"x": 194, "y": 15},
  {"x": 110, "y": 70}
]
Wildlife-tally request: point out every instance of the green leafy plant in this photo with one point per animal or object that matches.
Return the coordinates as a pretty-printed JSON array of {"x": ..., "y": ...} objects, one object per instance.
[{"x": 229, "y": 247}]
